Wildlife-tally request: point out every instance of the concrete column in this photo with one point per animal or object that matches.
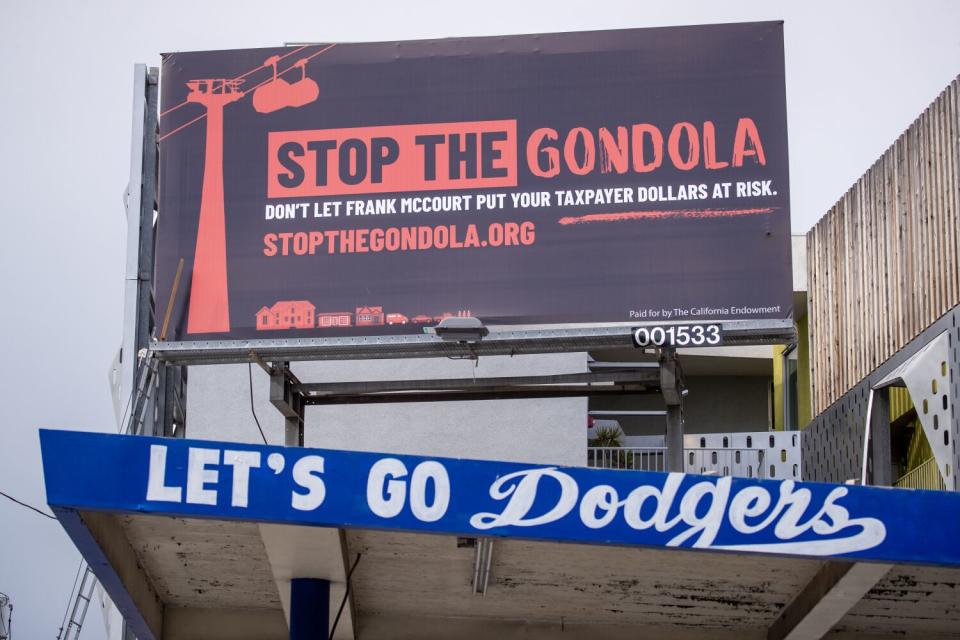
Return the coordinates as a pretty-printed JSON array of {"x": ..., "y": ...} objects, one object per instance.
[{"x": 309, "y": 609}]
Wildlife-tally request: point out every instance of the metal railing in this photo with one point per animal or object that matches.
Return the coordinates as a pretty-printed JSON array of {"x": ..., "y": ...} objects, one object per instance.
[
  {"x": 633, "y": 458},
  {"x": 742, "y": 463},
  {"x": 925, "y": 476}
]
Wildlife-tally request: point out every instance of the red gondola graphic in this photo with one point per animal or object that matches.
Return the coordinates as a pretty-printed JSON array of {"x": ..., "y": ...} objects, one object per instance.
[
  {"x": 209, "y": 310},
  {"x": 278, "y": 93}
]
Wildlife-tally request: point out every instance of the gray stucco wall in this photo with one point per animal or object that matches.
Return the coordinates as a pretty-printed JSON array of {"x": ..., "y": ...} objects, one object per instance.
[{"x": 543, "y": 431}]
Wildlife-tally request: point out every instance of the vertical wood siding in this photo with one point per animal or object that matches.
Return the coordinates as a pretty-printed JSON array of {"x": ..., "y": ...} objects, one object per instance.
[{"x": 882, "y": 264}]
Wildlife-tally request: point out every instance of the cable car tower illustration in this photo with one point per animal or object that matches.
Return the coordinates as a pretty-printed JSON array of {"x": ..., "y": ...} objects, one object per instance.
[
  {"x": 209, "y": 307},
  {"x": 209, "y": 302}
]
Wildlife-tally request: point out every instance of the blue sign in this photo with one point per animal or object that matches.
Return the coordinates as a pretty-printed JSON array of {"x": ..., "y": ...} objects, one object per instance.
[{"x": 319, "y": 487}]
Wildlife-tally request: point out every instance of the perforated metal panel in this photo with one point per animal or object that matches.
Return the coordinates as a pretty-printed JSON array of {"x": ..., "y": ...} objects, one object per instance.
[
  {"x": 927, "y": 378},
  {"x": 833, "y": 442},
  {"x": 759, "y": 454}
]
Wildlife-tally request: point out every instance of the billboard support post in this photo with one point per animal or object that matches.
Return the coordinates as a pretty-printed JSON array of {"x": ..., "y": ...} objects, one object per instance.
[
  {"x": 671, "y": 386},
  {"x": 288, "y": 401},
  {"x": 148, "y": 199}
]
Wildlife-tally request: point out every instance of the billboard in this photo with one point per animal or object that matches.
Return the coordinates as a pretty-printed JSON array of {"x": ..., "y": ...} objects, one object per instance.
[{"x": 334, "y": 190}]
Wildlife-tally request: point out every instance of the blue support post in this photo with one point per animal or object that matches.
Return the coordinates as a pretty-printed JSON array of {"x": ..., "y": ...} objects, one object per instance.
[{"x": 309, "y": 609}]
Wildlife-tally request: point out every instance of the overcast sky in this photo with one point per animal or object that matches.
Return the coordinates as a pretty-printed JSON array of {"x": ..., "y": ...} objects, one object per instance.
[{"x": 858, "y": 73}]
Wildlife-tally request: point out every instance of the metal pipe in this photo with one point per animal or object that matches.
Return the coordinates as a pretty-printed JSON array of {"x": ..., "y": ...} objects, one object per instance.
[{"x": 866, "y": 439}]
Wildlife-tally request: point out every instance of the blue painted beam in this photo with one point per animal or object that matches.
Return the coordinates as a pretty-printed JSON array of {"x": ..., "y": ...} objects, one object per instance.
[{"x": 93, "y": 552}]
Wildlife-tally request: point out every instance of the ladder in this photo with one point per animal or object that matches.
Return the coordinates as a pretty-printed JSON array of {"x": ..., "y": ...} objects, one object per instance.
[
  {"x": 78, "y": 610},
  {"x": 143, "y": 394}
]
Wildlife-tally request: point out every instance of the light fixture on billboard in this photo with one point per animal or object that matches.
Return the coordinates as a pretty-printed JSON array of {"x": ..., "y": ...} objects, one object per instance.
[{"x": 457, "y": 329}]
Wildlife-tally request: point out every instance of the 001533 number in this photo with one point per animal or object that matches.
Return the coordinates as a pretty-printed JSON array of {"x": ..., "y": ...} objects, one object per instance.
[{"x": 681, "y": 335}]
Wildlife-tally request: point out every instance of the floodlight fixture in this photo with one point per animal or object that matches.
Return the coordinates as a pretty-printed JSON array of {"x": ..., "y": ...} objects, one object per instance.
[{"x": 461, "y": 329}]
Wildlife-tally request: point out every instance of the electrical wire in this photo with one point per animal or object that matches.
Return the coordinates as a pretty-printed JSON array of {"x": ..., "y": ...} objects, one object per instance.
[
  {"x": 346, "y": 594},
  {"x": 252, "y": 410},
  {"x": 31, "y": 507}
]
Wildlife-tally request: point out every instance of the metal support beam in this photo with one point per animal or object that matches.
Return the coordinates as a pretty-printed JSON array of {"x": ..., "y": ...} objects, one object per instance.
[
  {"x": 500, "y": 341},
  {"x": 284, "y": 397},
  {"x": 495, "y": 393},
  {"x": 147, "y": 202},
  {"x": 646, "y": 376},
  {"x": 787, "y": 392},
  {"x": 482, "y": 560},
  {"x": 174, "y": 415},
  {"x": 133, "y": 211},
  {"x": 644, "y": 380},
  {"x": 627, "y": 413},
  {"x": 671, "y": 385},
  {"x": 309, "y": 608},
  {"x": 823, "y": 602},
  {"x": 674, "y": 438}
]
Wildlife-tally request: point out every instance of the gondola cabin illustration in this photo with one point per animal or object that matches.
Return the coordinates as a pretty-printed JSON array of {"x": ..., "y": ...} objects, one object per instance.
[{"x": 277, "y": 93}]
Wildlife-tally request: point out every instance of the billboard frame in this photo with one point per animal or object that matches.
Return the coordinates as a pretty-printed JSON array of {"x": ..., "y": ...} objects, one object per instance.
[
  {"x": 500, "y": 341},
  {"x": 509, "y": 339}
]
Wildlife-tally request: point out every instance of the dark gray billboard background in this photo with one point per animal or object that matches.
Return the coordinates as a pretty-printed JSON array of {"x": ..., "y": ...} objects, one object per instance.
[{"x": 723, "y": 254}]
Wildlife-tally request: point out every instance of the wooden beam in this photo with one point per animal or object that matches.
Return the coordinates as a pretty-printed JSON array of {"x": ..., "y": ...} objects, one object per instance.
[{"x": 835, "y": 589}]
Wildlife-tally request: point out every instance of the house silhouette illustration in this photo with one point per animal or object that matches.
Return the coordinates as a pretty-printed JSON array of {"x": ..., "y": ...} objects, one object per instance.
[{"x": 287, "y": 314}]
